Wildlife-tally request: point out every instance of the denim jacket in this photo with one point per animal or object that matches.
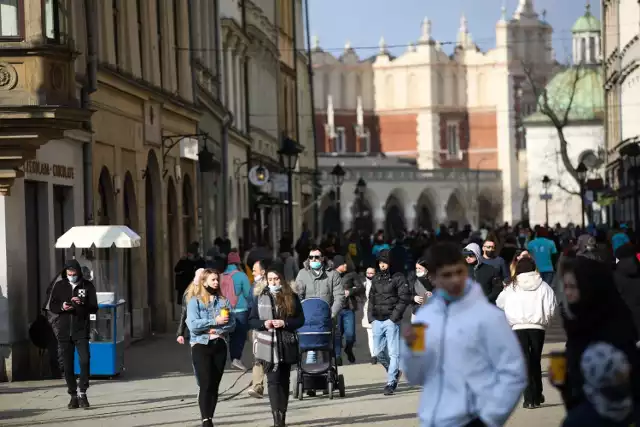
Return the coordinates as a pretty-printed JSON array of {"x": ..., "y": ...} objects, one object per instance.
[{"x": 201, "y": 317}]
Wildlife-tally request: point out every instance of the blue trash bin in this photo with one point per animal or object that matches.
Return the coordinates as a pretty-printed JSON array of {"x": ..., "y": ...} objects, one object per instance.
[{"x": 106, "y": 344}]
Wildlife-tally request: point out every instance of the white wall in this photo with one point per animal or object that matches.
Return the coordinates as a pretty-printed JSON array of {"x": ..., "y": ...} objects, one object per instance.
[
  {"x": 543, "y": 159},
  {"x": 237, "y": 195}
]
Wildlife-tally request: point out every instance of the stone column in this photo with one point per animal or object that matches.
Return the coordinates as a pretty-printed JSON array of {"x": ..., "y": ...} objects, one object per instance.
[
  {"x": 185, "y": 88},
  {"x": 237, "y": 76}
]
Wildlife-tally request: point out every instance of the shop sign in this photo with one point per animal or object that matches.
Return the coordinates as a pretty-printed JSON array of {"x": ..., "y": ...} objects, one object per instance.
[{"x": 34, "y": 167}]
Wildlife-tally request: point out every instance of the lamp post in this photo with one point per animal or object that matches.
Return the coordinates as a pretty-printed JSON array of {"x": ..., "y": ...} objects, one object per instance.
[
  {"x": 338, "y": 174},
  {"x": 581, "y": 170},
  {"x": 288, "y": 153},
  {"x": 546, "y": 182},
  {"x": 632, "y": 152},
  {"x": 361, "y": 188}
]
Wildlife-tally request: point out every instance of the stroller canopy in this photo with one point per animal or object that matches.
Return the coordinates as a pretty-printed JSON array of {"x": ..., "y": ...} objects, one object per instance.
[{"x": 315, "y": 334}]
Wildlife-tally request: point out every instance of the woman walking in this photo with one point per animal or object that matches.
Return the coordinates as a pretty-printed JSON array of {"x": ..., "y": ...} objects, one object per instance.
[
  {"x": 275, "y": 316},
  {"x": 210, "y": 321},
  {"x": 369, "y": 273},
  {"x": 422, "y": 287},
  {"x": 529, "y": 304}
]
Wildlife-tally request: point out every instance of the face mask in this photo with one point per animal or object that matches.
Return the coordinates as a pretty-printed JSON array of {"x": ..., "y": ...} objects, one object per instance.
[
  {"x": 72, "y": 279},
  {"x": 490, "y": 254},
  {"x": 446, "y": 296},
  {"x": 315, "y": 265},
  {"x": 210, "y": 290},
  {"x": 370, "y": 277},
  {"x": 257, "y": 278},
  {"x": 274, "y": 289},
  {"x": 420, "y": 273}
]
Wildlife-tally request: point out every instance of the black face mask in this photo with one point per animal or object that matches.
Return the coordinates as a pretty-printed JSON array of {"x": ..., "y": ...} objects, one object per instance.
[
  {"x": 490, "y": 254},
  {"x": 211, "y": 290}
]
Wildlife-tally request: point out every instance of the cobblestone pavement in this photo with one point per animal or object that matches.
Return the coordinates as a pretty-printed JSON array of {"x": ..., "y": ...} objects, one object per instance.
[{"x": 158, "y": 389}]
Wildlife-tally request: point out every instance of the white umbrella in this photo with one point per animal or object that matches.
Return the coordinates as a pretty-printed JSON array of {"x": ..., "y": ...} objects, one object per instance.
[{"x": 99, "y": 236}]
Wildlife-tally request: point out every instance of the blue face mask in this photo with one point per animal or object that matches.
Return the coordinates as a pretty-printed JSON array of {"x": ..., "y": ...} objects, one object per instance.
[
  {"x": 451, "y": 298},
  {"x": 315, "y": 265},
  {"x": 274, "y": 289},
  {"x": 72, "y": 279}
]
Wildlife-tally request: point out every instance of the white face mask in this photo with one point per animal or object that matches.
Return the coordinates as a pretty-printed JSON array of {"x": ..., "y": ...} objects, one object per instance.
[
  {"x": 420, "y": 273},
  {"x": 257, "y": 278}
]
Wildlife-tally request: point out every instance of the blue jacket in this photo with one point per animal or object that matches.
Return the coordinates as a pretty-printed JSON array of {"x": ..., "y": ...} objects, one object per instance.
[
  {"x": 472, "y": 367},
  {"x": 242, "y": 287},
  {"x": 201, "y": 317}
]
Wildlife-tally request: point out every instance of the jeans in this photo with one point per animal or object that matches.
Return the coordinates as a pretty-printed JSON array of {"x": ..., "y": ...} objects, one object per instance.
[
  {"x": 386, "y": 341},
  {"x": 531, "y": 341},
  {"x": 346, "y": 327},
  {"x": 278, "y": 386},
  {"x": 239, "y": 335},
  {"x": 209, "y": 361},
  {"x": 69, "y": 347},
  {"x": 548, "y": 276}
]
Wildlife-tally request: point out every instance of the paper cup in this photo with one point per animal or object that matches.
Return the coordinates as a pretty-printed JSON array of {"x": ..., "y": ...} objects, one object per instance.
[
  {"x": 557, "y": 368},
  {"x": 419, "y": 344}
]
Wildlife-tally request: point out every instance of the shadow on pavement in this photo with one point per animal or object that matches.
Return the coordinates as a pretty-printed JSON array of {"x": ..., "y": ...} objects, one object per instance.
[
  {"x": 19, "y": 413},
  {"x": 346, "y": 421}
]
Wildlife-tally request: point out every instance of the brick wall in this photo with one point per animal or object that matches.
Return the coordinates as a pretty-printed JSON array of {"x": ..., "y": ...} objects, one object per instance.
[
  {"x": 398, "y": 133},
  {"x": 348, "y": 121}
]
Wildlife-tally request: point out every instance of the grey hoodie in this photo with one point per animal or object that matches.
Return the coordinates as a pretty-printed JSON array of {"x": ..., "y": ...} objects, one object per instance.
[{"x": 325, "y": 284}]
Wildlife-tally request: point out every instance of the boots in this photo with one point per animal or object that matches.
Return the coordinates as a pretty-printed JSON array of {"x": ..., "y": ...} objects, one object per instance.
[{"x": 279, "y": 418}]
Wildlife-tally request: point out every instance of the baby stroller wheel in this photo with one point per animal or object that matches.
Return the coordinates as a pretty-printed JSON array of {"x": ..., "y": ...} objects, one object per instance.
[
  {"x": 299, "y": 391},
  {"x": 341, "y": 387},
  {"x": 330, "y": 390}
]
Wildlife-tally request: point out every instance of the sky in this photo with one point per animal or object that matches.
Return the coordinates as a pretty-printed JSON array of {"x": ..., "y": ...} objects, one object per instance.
[{"x": 363, "y": 22}]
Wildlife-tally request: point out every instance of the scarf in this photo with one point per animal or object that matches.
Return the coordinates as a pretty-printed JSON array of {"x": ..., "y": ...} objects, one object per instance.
[{"x": 265, "y": 346}]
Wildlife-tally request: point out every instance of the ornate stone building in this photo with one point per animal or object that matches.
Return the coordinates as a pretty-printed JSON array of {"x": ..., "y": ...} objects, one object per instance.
[{"x": 447, "y": 115}]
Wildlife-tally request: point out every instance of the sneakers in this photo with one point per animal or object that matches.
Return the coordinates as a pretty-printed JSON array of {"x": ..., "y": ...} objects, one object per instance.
[
  {"x": 349, "y": 352},
  {"x": 83, "y": 401},
  {"x": 207, "y": 423},
  {"x": 389, "y": 389},
  {"x": 374, "y": 360},
  {"x": 237, "y": 363},
  {"x": 73, "y": 403},
  {"x": 256, "y": 392}
]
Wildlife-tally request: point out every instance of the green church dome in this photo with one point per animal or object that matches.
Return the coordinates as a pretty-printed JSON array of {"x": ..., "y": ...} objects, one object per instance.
[
  {"x": 588, "y": 100},
  {"x": 587, "y": 23}
]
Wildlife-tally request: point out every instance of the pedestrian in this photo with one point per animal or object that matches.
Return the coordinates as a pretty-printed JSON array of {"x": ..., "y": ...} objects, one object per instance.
[
  {"x": 260, "y": 283},
  {"x": 74, "y": 300},
  {"x": 210, "y": 321},
  {"x": 487, "y": 276},
  {"x": 471, "y": 367},
  {"x": 529, "y": 304},
  {"x": 388, "y": 299},
  {"x": 370, "y": 272},
  {"x": 544, "y": 252},
  {"x": 316, "y": 280},
  {"x": 346, "y": 320},
  {"x": 185, "y": 269},
  {"x": 422, "y": 286},
  {"x": 183, "y": 330},
  {"x": 236, "y": 288},
  {"x": 593, "y": 314},
  {"x": 276, "y": 314},
  {"x": 490, "y": 256}
]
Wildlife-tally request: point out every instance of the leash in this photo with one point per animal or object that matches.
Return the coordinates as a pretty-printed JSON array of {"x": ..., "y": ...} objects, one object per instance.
[{"x": 236, "y": 394}]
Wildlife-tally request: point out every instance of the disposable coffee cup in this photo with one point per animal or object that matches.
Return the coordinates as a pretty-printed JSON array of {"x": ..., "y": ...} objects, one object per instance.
[
  {"x": 419, "y": 343},
  {"x": 224, "y": 312},
  {"x": 558, "y": 368}
]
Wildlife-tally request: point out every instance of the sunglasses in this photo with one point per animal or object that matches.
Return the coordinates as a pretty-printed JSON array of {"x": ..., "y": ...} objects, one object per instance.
[{"x": 315, "y": 257}]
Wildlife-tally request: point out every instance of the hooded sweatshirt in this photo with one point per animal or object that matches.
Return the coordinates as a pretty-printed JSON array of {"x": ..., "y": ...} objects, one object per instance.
[
  {"x": 487, "y": 276},
  {"x": 528, "y": 303},
  {"x": 472, "y": 367}
]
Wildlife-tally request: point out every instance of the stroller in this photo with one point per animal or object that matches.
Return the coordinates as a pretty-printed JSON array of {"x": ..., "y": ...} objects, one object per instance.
[{"x": 317, "y": 334}]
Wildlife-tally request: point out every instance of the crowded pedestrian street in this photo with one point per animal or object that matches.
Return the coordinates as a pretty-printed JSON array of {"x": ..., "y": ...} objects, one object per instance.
[{"x": 158, "y": 389}]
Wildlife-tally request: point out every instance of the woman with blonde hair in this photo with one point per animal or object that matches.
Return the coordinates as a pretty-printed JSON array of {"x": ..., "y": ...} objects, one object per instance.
[
  {"x": 182, "y": 325},
  {"x": 276, "y": 314},
  {"x": 210, "y": 321}
]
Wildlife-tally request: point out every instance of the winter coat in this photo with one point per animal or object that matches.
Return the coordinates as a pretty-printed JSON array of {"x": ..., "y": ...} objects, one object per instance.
[
  {"x": 486, "y": 276},
  {"x": 421, "y": 285},
  {"x": 351, "y": 282},
  {"x": 627, "y": 280},
  {"x": 529, "y": 303},
  {"x": 389, "y": 297},
  {"x": 325, "y": 284}
]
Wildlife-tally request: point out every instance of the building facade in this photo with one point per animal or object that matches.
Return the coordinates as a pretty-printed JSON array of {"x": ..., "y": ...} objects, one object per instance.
[
  {"x": 579, "y": 91},
  {"x": 621, "y": 53},
  {"x": 436, "y": 110}
]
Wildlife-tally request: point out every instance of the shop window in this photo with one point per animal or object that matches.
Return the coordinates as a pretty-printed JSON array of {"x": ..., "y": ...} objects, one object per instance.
[
  {"x": 54, "y": 21},
  {"x": 62, "y": 216},
  {"x": 36, "y": 231},
  {"x": 11, "y": 16}
]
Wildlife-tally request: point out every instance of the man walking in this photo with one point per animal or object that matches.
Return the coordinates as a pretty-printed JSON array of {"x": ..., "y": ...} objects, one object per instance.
[
  {"x": 389, "y": 297},
  {"x": 486, "y": 276},
  {"x": 74, "y": 299},
  {"x": 472, "y": 369},
  {"x": 346, "y": 320}
]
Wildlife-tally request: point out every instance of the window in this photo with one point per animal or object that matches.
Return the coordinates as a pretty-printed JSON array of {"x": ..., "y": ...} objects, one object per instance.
[
  {"x": 365, "y": 141},
  {"x": 340, "y": 143},
  {"x": 159, "y": 37},
  {"x": 583, "y": 49},
  {"x": 116, "y": 28},
  {"x": 140, "y": 15},
  {"x": 10, "y": 18},
  {"x": 176, "y": 42},
  {"x": 453, "y": 139},
  {"x": 52, "y": 20},
  {"x": 592, "y": 49}
]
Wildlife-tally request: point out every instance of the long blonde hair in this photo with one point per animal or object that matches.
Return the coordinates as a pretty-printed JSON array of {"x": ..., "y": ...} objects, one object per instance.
[{"x": 198, "y": 290}]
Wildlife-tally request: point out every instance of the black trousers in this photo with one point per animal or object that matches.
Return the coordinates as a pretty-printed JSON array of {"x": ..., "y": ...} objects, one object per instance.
[
  {"x": 69, "y": 347},
  {"x": 208, "y": 362},
  {"x": 476, "y": 423},
  {"x": 278, "y": 387},
  {"x": 531, "y": 341}
]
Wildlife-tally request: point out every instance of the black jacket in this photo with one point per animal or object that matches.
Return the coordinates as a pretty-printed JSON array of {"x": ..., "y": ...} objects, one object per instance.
[
  {"x": 352, "y": 283},
  {"x": 489, "y": 278},
  {"x": 185, "y": 270},
  {"x": 421, "y": 285},
  {"x": 627, "y": 280},
  {"x": 183, "y": 331},
  {"x": 75, "y": 323},
  {"x": 389, "y": 297}
]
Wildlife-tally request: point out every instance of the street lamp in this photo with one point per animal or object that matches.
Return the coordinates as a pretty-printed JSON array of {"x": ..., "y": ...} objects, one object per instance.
[
  {"x": 546, "y": 182},
  {"x": 361, "y": 188},
  {"x": 288, "y": 153},
  {"x": 581, "y": 170},
  {"x": 338, "y": 174},
  {"x": 632, "y": 152}
]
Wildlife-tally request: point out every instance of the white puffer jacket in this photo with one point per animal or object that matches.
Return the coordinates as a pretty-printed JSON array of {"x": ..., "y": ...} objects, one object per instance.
[{"x": 529, "y": 303}]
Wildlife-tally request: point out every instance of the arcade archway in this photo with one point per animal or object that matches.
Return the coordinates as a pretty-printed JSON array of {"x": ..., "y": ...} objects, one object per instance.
[
  {"x": 425, "y": 211},
  {"x": 395, "y": 218},
  {"x": 456, "y": 211}
]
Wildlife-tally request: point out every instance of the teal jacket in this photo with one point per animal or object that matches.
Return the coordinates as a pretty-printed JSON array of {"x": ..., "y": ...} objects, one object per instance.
[{"x": 242, "y": 287}]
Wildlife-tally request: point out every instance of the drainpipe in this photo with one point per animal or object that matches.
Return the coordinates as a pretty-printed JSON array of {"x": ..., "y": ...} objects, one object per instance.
[
  {"x": 248, "y": 240},
  {"x": 316, "y": 190},
  {"x": 90, "y": 86}
]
